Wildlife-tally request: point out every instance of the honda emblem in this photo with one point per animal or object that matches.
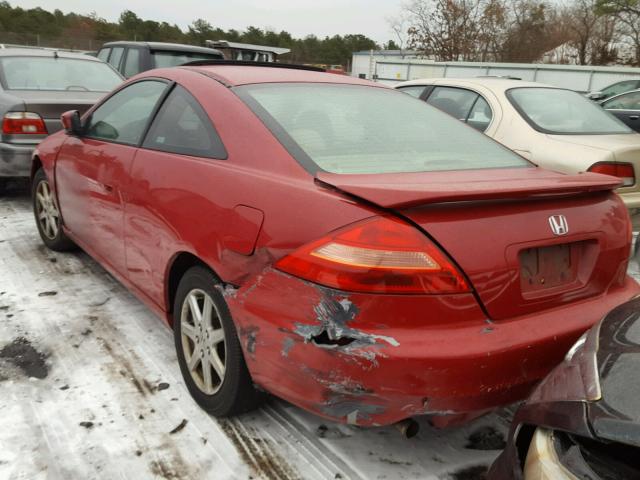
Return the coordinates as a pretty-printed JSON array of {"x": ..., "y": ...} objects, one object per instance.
[{"x": 558, "y": 224}]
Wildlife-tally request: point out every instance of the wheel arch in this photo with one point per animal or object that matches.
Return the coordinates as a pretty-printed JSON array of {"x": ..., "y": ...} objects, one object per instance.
[
  {"x": 177, "y": 267},
  {"x": 36, "y": 164}
]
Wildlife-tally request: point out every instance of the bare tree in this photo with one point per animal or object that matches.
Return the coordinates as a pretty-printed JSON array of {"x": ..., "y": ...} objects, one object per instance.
[{"x": 627, "y": 14}]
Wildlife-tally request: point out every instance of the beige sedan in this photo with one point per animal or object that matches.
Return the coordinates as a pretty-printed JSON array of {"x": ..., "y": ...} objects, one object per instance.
[{"x": 553, "y": 127}]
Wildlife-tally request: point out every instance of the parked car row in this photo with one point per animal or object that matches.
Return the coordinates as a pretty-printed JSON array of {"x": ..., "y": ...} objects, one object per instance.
[{"x": 363, "y": 255}]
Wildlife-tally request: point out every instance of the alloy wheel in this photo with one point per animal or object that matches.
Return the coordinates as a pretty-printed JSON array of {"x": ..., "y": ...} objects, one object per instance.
[
  {"x": 203, "y": 341},
  {"x": 47, "y": 211}
]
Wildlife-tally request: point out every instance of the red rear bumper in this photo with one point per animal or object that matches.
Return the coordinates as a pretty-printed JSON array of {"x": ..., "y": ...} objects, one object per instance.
[{"x": 408, "y": 355}]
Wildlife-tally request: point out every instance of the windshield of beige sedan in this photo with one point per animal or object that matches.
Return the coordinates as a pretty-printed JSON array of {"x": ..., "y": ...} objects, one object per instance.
[
  {"x": 360, "y": 129},
  {"x": 554, "y": 110}
]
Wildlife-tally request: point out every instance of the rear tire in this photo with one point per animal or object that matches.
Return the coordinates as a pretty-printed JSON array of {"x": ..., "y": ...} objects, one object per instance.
[
  {"x": 47, "y": 215},
  {"x": 208, "y": 349}
]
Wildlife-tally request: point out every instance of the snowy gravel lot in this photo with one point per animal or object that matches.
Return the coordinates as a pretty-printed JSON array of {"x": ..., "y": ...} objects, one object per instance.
[{"x": 90, "y": 388}]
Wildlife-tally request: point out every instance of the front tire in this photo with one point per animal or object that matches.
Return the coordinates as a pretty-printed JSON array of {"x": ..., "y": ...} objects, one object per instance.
[
  {"x": 47, "y": 215},
  {"x": 208, "y": 349}
]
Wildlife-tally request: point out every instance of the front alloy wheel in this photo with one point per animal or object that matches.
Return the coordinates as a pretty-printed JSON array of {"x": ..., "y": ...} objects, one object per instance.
[{"x": 47, "y": 214}]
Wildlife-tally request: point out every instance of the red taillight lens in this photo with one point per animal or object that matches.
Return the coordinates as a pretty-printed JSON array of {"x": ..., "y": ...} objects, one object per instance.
[
  {"x": 23, "y": 123},
  {"x": 378, "y": 255},
  {"x": 622, "y": 170}
]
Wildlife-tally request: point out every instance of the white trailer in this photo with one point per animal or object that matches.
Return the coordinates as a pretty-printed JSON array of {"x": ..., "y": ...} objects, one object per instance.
[{"x": 387, "y": 69}]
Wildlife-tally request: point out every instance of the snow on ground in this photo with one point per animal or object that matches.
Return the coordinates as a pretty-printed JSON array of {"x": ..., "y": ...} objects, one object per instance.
[{"x": 90, "y": 389}]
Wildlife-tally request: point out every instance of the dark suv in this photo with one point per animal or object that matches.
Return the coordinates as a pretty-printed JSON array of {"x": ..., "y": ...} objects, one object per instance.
[{"x": 131, "y": 58}]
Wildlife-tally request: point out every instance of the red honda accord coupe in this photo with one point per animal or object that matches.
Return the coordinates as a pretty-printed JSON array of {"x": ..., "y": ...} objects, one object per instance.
[{"x": 332, "y": 241}]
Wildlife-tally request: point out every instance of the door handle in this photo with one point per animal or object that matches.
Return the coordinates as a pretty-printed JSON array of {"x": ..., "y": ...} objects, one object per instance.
[{"x": 634, "y": 117}]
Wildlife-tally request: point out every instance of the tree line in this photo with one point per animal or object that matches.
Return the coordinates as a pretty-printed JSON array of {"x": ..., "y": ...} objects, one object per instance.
[
  {"x": 37, "y": 26},
  {"x": 586, "y": 32}
]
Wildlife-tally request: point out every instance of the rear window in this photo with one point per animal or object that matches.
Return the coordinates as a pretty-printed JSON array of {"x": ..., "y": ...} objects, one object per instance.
[
  {"x": 49, "y": 73},
  {"x": 359, "y": 129},
  {"x": 563, "y": 112},
  {"x": 166, "y": 58}
]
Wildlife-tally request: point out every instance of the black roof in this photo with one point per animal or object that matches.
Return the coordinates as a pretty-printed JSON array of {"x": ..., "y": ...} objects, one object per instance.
[{"x": 176, "y": 47}]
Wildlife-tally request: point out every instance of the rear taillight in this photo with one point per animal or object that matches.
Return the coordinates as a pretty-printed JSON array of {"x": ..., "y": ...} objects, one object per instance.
[
  {"x": 379, "y": 255},
  {"x": 622, "y": 170},
  {"x": 23, "y": 123}
]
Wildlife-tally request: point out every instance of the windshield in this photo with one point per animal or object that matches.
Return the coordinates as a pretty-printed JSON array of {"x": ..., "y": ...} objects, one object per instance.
[
  {"x": 553, "y": 110},
  {"x": 49, "y": 73},
  {"x": 360, "y": 129},
  {"x": 166, "y": 58}
]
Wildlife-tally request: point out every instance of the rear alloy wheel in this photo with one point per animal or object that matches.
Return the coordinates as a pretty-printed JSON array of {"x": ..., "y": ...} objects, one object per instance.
[
  {"x": 47, "y": 215},
  {"x": 208, "y": 348}
]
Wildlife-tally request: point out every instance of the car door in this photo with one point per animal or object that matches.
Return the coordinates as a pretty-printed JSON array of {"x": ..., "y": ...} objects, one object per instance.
[
  {"x": 92, "y": 169},
  {"x": 180, "y": 141},
  {"x": 626, "y": 107},
  {"x": 132, "y": 62}
]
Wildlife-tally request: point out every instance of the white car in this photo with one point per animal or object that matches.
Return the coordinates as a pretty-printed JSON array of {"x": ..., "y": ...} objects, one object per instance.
[{"x": 553, "y": 127}]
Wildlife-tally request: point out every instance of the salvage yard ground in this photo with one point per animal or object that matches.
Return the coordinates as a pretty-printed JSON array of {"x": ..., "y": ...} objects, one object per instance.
[{"x": 90, "y": 388}]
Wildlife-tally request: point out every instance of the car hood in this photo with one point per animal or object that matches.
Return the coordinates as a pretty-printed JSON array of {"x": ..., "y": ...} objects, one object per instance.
[
  {"x": 616, "y": 416},
  {"x": 609, "y": 143}
]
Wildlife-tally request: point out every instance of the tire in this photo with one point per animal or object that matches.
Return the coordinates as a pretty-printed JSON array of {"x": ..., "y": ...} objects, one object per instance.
[
  {"x": 209, "y": 343},
  {"x": 47, "y": 215}
]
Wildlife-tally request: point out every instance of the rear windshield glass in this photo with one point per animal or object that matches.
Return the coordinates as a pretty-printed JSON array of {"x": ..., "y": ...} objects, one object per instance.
[
  {"x": 360, "y": 129},
  {"x": 166, "y": 58},
  {"x": 48, "y": 73},
  {"x": 553, "y": 110}
]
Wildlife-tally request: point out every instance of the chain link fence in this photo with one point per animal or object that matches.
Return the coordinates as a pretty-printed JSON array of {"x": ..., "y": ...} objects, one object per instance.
[{"x": 37, "y": 40}]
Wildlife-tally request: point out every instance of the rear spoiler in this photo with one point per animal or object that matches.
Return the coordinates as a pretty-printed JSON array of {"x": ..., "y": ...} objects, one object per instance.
[{"x": 402, "y": 190}]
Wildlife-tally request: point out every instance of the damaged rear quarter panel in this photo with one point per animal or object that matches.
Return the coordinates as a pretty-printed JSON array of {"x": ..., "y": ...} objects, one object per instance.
[{"x": 348, "y": 357}]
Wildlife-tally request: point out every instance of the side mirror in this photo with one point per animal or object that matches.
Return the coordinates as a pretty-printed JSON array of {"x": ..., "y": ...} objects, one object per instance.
[
  {"x": 71, "y": 122},
  {"x": 596, "y": 96}
]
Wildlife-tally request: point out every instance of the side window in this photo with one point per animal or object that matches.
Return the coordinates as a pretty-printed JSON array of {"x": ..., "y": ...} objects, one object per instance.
[
  {"x": 103, "y": 54},
  {"x": 480, "y": 115},
  {"x": 124, "y": 116},
  {"x": 132, "y": 62},
  {"x": 455, "y": 101},
  {"x": 619, "y": 87},
  {"x": 116, "y": 55},
  {"x": 628, "y": 101},
  {"x": 413, "y": 91},
  {"x": 182, "y": 126}
]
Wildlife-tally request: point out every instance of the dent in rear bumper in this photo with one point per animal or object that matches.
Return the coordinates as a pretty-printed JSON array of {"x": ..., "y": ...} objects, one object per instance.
[
  {"x": 406, "y": 355},
  {"x": 15, "y": 160}
]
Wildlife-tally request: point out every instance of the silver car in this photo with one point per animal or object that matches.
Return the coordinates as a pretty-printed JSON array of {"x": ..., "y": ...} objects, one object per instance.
[{"x": 36, "y": 86}]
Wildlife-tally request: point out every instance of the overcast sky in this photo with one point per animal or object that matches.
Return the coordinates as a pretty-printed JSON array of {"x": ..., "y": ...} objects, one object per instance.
[{"x": 298, "y": 17}]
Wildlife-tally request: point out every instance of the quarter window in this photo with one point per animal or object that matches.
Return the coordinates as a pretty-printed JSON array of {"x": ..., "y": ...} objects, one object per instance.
[
  {"x": 457, "y": 102},
  {"x": 124, "y": 116},
  {"x": 103, "y": 54},
  {"x": 182, "y": 126},
  {"x": 480, "y": 115}
]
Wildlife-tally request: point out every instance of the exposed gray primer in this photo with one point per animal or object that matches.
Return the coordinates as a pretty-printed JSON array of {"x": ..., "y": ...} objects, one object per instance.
[
  {"x": 333, "y": 313},
  {"x": 355, "y": 411},
  {"x": 227, "y": 290},
  {"x": 287, "y": 345}
]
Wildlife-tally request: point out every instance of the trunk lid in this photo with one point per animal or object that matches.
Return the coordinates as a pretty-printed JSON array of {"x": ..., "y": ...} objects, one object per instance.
[
  {"x": 495, "y": 224},
  {"x": 51, "y": 104}
]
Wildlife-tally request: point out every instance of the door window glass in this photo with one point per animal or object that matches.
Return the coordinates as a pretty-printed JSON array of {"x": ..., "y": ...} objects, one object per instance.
[
  {"x": 124, "y": 116},
  {"x": 628, "y": 101},
  {"x": 183, "y": 127},
  {"x": 116, "y": 55},
  {"x": 619, "y": 87},
  {"x": 455, "y": 101},
  {"x": 132, "y": 62},
  {"x": 480, "y": 115},
  {"x": 413, "y": 91}
]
